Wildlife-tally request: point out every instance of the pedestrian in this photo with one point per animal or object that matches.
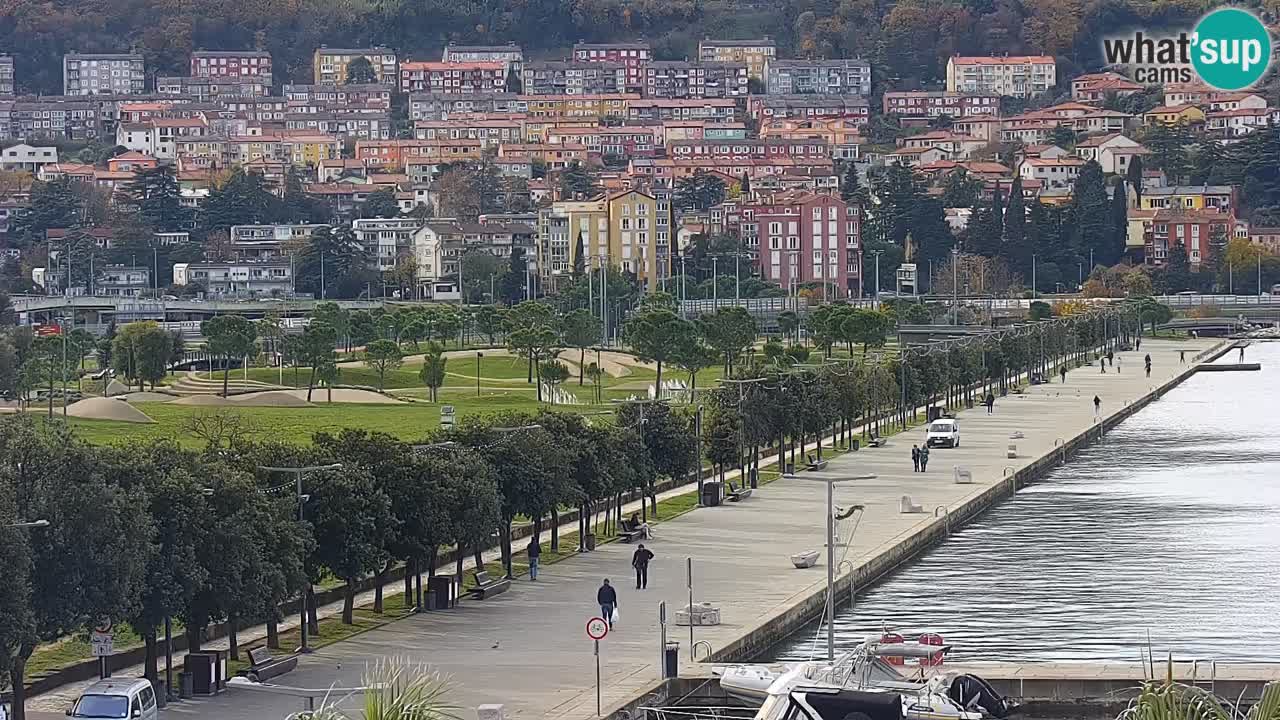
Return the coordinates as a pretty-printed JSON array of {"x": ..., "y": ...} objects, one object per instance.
[
  {"x": 915, "y": 458},
  {"x": 535, "y": 550},
  {"x": 1182, "y": 357},
  {"x": 1147, "y": 361},
  {"x": 1137, "y": 344},
  {"x": 1121, "y": 365},
  {"x": 1097, "y": 405},
  {"x": 1241, "y": 353},
  {"x": 640, "y": 561},
  {"x": 607, "y": 597},
  {"x": 991, "y": 402},
  {"x": 1102, "y": 363},
  {"x": 924, "y": 458},
  {"x": 1063, "y": 371},
  {"x": 1111, "y": 358}
]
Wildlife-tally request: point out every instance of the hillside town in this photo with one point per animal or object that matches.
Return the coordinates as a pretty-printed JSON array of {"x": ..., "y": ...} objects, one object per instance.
[{"x": 130, "y": 183}]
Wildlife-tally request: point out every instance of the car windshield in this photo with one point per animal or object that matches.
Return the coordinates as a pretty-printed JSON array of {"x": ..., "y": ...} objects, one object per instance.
[
  {"x": 102, "y": 706},
  {"x": 942, "y": 427}
]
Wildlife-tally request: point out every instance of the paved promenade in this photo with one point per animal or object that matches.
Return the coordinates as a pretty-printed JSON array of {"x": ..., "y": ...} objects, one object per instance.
[{"x": 527, "y": 648}]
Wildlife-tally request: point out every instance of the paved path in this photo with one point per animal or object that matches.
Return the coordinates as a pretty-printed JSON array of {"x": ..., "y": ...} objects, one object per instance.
[{"x": 527, "y": 648}]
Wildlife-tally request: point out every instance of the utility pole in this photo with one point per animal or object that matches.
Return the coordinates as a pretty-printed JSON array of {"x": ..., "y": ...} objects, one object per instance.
[
  {"x": 877, "y": 253},
  {"x": 715, "y": 283},
  {"x": 955, "y": 287},
  {"x": 1033, "y": 276}
]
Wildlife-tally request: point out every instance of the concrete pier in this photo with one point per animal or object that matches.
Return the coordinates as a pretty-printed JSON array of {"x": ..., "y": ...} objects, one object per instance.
[{"x": 528, "y": 648}]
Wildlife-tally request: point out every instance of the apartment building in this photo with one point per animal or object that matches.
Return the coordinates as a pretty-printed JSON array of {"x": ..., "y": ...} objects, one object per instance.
[
  {"x": 329, "y": 65},
  {"x": 103, "y": 74},
  {"x": 661, "y": 109},
  {"x": 395, "y": 153},
  {"x": 1193, "y": 229},
  {"x": 246, "y": 64},
  {"x": 6, "y": 75},
  {"x": 559, "y": 228},
  {"x": 237, "y": 279},
  {"x": 805, "y": 237},
  {"x": 207, "y": 89},
  {"x": 1097, "y": 87},
  {"x": 386, "y": 240},
  {"x": 439, "y": 245},
  {"x": 822, "y": 77},
  {"x": 770, "y": 107},
  {"x": 922, "y": 104},
  {"x": 122, "y": 280},
  {"x": 510, "y": 55},
  {"x": 624, "y": 141},
  {"x": 55, "y": 119},
  {"x": 1020, "y": 76},
  {"x": 27, "y": 158},
  {"x": 575, "y": 77},
  {"x": 265, "y": 242},
  {"x": 439, "y": 106},
  {"x": 159, "y": 136},
  {"x": 1217, "y": 198},
  {"x": 492, "y": 130},
  {"x": 453, "y": 78},
  {"x": 366, "y": 95},
  {"x": 842, "y": 135},
  {"x": 756, "y": 54},
  {"x": 634, "y": 56},
  {"x": 579, "y": 107},
  {"x": 680, "y": 79},
  {"x": 358, "y": 125},
  {"x": 640, "y": 235}
]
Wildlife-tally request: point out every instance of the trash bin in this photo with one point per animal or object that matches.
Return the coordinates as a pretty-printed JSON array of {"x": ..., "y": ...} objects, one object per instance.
[
  {"x": 711, "y": 491},
  {"x": 856, "y": 444},
  {"x": 590, "y": 541},
  {"x": 671, "y": 660},
  {"x": 201, "y": 673},
  {"x": 755, "y": 478},
  {"x": 186, "y": 687},
  {"x": 441, "y": 594},
  {"x": 789, "y": 468}
]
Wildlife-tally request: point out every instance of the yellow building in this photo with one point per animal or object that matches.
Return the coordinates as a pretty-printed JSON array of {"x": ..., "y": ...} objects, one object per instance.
[
  {"x": 309, "y": 149},
  {"x": 558, "y": 229},
  {"x": 329, "y": 65},
  {"x": 635, "y": 244},
  {"x": 1172, "y": 115},
  {"x": 755, "y": 53},
  {"x": 578, "y": 107},
  {"x": 1189, "y": 197}
]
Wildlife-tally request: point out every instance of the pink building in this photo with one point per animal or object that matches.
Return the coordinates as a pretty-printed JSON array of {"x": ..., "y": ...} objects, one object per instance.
[
  {"x": 634, "y": 55},
  {"x": 453, "y": 78},
  {"x": 803, "y": 237},
  {"x": 247, "y": 64}
]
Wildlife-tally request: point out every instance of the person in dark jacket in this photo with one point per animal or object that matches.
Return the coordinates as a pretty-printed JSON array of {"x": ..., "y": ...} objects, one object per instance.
[
  {"x": 915, "y": 458},
  {"x": 535, "y": 551},
  {"x": 991, "y": 402},
  {"x": 607, "y": 597},
  {"x": 640, "y": 561},
  {"x": 924, "y": 458}
]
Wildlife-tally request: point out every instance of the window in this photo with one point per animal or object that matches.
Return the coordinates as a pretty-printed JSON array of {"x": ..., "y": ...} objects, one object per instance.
[{"x": 775, "y": 228}]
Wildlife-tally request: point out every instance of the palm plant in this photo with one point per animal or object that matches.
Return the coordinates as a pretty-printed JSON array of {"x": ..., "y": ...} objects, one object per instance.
[
  {"x": 1168, "y": 700},
  {"x": 395, "y": 689}
]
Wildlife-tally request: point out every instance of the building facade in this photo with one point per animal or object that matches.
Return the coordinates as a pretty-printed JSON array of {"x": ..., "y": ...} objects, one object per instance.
[
  {"x": 576, "y": 77},
  {"x": 247, "y": 64},
  {"x": 685, "y": 79},
  {"x": 237, "y": 279},
  {"x": 805, "y": 237},
  {"x": 329, "y": 65},
  {"x": 1020, "y": 76},
  {"x": 634, "y": 56},
  {"x": 103, "y": 74},
  {"x": 386, "y": 240},
  {"x": 6, "y": 75},
  {"x": 510, "y": 55},
  {"x": 822, "y": 77},
  {"x": 756, "y": 54},
  {"x": 921, "y": 104},
  {"x": 453, "y": 78}
]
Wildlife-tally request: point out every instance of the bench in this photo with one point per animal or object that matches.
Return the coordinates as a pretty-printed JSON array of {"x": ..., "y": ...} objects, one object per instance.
[
  {"x": 629, "y": 531},
  {"x": 877, "y": 441},
  {"x": 738, "y": 494},
  {"x": 815, "y": 465},
  {"x": 486, "y": 587},
  {"x": 263, "y": 667}
]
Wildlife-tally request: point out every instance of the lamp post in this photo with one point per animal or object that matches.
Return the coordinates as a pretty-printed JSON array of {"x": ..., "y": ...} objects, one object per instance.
[
  {"x": 715, "y": 283},
  {"x": 877, "y": 253},
  {"x": 1033, "y": 276},
  {"x": 478, "y": 356},
  {"x": 831, "y": 553},
  {"x": 955, "y": 287},
  {"x": 298, "y": 472}
]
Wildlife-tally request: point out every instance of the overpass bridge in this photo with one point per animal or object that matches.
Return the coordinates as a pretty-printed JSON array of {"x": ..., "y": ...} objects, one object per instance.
[{"x": 99, "y": 310}]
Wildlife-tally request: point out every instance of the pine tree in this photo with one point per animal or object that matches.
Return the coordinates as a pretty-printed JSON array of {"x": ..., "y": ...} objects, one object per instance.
[
  {"x": 1119, "y": 224},
  {"x": 1091, "y": 203},
  {"x": 1134, "y": 177},
  {"x": 850, "y": 187},
  {"x": 156, "y": 195},
  {"x": 514, "y": 84},
  {"x": 744, "y": 185},
  {"x": 987, "y": 227}
]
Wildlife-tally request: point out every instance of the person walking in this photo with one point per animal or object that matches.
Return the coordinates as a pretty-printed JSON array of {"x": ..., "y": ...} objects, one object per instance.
[
  {"x": 1120, "y": 367},
  {"x": 1063, "y": 372},
  {"x": 640, "y": 561},
  {"x": 915, "y": 458},
  {"x": 1137, "y": 344},
  {"x": 1147, "y": 361},
  {"x": 1241, "y": 353},
  {"x": 991, "y": 402},
  {"x": 924, "y": 458},
  {"x": 1111, "y": 358},
  {"x": 1097, "y": 406},
  {"x": 1182, "y": 357},
  {"x": 535, "y": 551},
  {"x": 607, "y": 598}
]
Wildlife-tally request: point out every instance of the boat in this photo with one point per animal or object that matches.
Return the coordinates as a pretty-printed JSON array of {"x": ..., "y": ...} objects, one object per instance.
[{"x": 870, "y": 668}]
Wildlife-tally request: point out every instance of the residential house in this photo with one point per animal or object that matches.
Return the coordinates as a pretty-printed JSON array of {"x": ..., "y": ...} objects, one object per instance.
[
  {"x": 1193, "y": 229},
  {"x": 982, "y": 127},
  {"x": 394, "y": 154},
  {"x": 1268, "y": 237},
  {"x": 1097, "y": 87},
  {"x": 159, "y": 136},
  {"x": 1113, "y": 151},
  {"x": 122, "y": 280},
  {"x": 767, "y": 107},
  {"x": 574, "y": 77},
  {"x": 208, "y": 89},
  {"x": 922, "y": 104},
  {"x": 1217, "y": 198},
  {"x": 916, "y": 156},
  {"x": 1020, "y": 76},
  {"x": 75, "y": 172},
  {"x": 355, "y": 125},
  {"x": 842, "y": 135},
  {"x": 132, "y": 161},
  {"x": 689, "y": 79},
  {"x": 48, "y": 118},
  {"x": 1234, "y": 124},
  {"x": 639, "y": 236},
  {"x": 386, "y": 240},
  {"x": 255, "y": 64},
  {"x": 6, "y": 75},
  {"x": 553, "y": 157},
  {"x": 756, "y": 54},
  {"x": 1176, "y": 94},
  {"x": 957, "y": 147},
  {"x": 1052, "y": 172},
  {"x": 237, "y": 279},
  {"x": 265, "y": 242},
  {"x": 375, "y": 95},
  {"x": 492, "y": 130},
  {"x": 805, "y": 237},
  {"x": 673, "y": 130},
  {"x": 453, "y": 78},
  {"x": 439, "y": 106},
  {"x": 439, "y": 245},
  {"x": 1174, "y": 114},
  {"x": 510, "y": 55},
  {"x": 820, "y": 77},
  {"x": 27, "y": 158},
  {"x": 1220, "y": 101},
  {"x": 581, "y": 107},
  {"x": 624, "y": 141},
  {"x": 330, "y": 64},
  {"x": 103, "y": 74},
  {"x": 634, "y": 56},
  {"x": 663, "y": 109}
]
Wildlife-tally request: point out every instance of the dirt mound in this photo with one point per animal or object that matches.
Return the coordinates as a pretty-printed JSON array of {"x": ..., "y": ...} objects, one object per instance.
[
  {"x": 344, "y": 395},
  {"x": 204, "y": 400},
  {"x": 139, "y": 397},
  {"x": 107, "y": 409},
  {"x": 273, "y": 398},
  {"x": 115, "y": 387}
]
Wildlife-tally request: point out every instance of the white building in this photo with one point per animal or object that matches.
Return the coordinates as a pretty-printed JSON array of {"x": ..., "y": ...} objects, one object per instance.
[
  {"x": 122, "y": 281},
  {"x": 1113, "y": 152},
  {"x": 262, "y": 242},
  {"x": 1052, "y": 172},
  {"x": 1013, "y": 75},
  {"x": 241, "y": 279},
  {"x": 103, "y": 74},
  {"x": 386, "y": 239},
  {"x": 27, "y": 157}
]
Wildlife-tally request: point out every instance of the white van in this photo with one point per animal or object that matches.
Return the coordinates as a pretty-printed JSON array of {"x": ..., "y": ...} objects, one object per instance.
[
  {"x": 943, "y": 432},
  {"x": 111, "y": 698}
]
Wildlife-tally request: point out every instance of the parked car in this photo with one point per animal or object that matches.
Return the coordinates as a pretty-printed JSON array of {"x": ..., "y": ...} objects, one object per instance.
[
  {"x": 943, "y": 432},
  {"x": 116, "y": 698}
]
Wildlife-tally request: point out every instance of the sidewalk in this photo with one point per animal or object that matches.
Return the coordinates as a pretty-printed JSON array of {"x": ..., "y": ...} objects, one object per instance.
[{"x": 741, "y": 563}]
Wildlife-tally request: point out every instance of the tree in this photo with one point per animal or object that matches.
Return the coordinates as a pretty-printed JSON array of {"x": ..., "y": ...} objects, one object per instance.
[
  {"x": 155, "y": 193},
  {"x": 1118, "y": 239},
  {"x": 383, "y": 355},
  {"x": 380, "y": 204},
  {"x": 1134, "y": 177},
  {"x": 578, "y": 183},
  {"x": 730, "y": 331},
  {"x": 229, "y": 336},
  {"x": 700, "y": 191},
  {"x": 553, "y": 373},
  {"x": 744, "y": 185},
  {"x": 579, "y": 256},
  {"x": 141, "y": 352},
  {"x": 350, "y": 516},
  {"x": 53, "y": 204},
  {"x": 488, "y": 320},
  {"x": 315, "y": 349},
  {"x": 531, "y": 333},
  {"x": 1063, "y": 136},
  {"x": 693, "y": 356},
  {"x": 1093, "y": 226},
  {"x": 851, "y": 190},
  {"x": 654, "y": 336},
  {"x": 333, "y": 264},
  {"x": 513, "y": 288},
  {"x": 243, "y": 199},
  {"x": 513, "y": 84},
  {"x": 581, "y": 331},
  {"x": 961, "y": 191},
  {"x": 1169, "y": 146},
  {"x": 433, "y": 369},
  {"x": 1017, "y": 248},
  {"x": 361, "y": 72}
]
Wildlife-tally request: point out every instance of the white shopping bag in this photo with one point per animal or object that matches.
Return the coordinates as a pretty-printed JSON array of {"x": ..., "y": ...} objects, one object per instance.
[{"x": 616, "y": 616}]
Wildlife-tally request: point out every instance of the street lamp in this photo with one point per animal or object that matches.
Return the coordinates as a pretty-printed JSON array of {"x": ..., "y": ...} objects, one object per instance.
[
  {"x": 298, "y": 472},
  {"x": 831, "y": 551},
  {"x": 955, "y": 288},
  {"x": 877, "y": 253},
  {"x": 479, "y": 355}
]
